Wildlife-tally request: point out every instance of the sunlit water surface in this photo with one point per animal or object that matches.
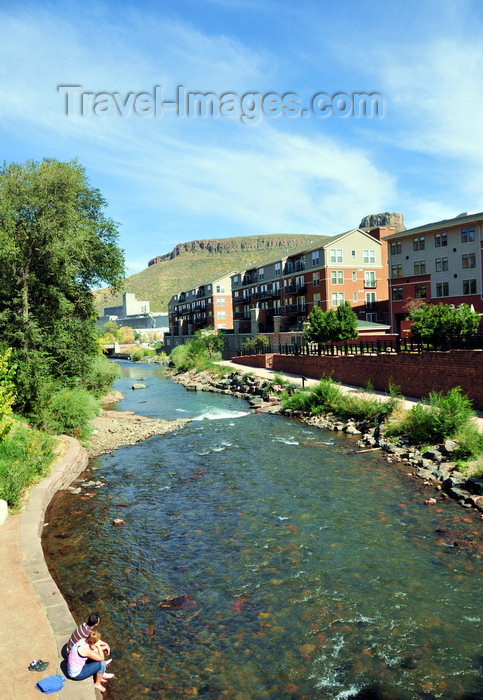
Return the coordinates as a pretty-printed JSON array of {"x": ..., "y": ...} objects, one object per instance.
[{"x": 304, "y": 569}]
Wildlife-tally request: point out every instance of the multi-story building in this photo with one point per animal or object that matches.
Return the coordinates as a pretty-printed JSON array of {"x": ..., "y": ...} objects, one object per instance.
[
  {"x": 207, "y": 305},
  {"x": 349, "y": 267},
  {"x": 439, "y": 262}
]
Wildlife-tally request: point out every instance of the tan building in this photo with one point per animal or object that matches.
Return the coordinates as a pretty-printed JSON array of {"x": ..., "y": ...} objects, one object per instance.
[
  {"x": 349, "y": 267},
  {"x": 440, "y": 262}
]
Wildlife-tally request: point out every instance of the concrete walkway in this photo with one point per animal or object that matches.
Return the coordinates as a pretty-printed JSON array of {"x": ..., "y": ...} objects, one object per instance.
[{"x": 36, "y": 622}]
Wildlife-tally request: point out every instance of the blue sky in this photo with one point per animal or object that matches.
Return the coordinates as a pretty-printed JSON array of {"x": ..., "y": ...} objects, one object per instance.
[{"x": 169, "y": 179}]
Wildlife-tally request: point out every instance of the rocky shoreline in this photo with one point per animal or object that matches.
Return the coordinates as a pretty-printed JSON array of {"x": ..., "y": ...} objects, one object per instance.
[
  {"x": 433, "y": 466},
  {"x": 113, "y": 429}
]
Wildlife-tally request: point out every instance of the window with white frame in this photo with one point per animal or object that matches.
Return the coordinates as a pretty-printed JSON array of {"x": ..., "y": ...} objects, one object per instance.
[
  {"x": 441, "y": 264},
  {"x": 354, "y": 276},
  {"x": 221, "y": 314},
  {"x": 419, "y": 267},
  {"x": 369, "y": 257},
  {"x": 354, "y": 296},
  {"x": 396, "y": 248},
  {"x": 220, "y": 301},
  {"x": 336, "y": 255},
  {"x": 370, "y": 279},
  {"x": 468, "y": 234},
  {"x": 337, "y": 298},
  {"x": 316, "y": 279},
  {"x": 261, "y": 273},
  {"x": 316, "y": 299},
  {"x": 371, "y": 317},
  {"x": 236, "y": 281},
  {"x": 418, "y": 243},
  {"x": 353, "y": 254},
  {"x": 315, "y": 257},
  {"x": 337, "y": 276},
  {"x": 278, "y": 268},
  {"x": 370, "y": 300},
  {"x": 396, "y": 270}
]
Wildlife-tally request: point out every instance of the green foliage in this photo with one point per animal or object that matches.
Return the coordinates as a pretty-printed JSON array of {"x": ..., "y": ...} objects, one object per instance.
[
  {"x": 102, "y": 375},
  {"x": 443, "y": 417},
  {"x": 470, "y": 442},
  {"x": 193, "y": 355},
  {"x": 327, "y": 397},
  {"x": 394, "y": 390},
  {"x": 368, "y": 387},
  {"x": 139, "y": 354},
  {"x": 332, "y": 325},
  {"x": 25, "y": 455},
  {"x": 55, "y": 245},
  {"x": 7, "y": 392},
  {"x": 69, "y": 411},
  {"x": 437, "y": 323},
  {"x": 259, "y": 342},
  {"x": 213, "y": 340}
]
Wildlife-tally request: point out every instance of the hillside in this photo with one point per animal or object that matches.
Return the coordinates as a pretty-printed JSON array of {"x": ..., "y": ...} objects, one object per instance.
[{"x": 197, "y": 262}]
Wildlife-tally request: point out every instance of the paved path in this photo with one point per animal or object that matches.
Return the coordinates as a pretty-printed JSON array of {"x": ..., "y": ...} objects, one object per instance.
[{"x": 35, "y": 619}]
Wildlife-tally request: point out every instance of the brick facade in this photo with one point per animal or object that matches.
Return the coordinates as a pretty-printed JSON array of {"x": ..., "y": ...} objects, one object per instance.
[{"x": 416, "y": 375}]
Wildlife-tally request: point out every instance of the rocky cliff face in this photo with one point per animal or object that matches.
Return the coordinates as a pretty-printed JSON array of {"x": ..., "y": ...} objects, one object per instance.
[
  {"x": 228, "y": 245},
  {"x": 388, "y": 219}
]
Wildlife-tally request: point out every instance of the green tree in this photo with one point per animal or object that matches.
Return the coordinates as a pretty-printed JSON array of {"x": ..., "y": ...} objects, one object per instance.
[
  {"x": 437, "y": 323},
  {"x": 56, "y": 244},
  {"x": 332, "y": 325},
  {"x": 212, "y": 340},
  {"x": 7, "y": 392}
]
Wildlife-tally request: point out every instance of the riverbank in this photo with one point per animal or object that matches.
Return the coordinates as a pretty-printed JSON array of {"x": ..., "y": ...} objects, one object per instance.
[{"x": 434, "y": 466}]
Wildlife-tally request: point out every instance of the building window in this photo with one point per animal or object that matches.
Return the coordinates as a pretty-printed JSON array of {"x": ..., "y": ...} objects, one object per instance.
[
  {"x": 468, "y": 260},
  {"x": 369, "y": 257},
  {"x": 397, "y": 293},
  {"x": 419, "y": 267},
  {"x": 354, "y": 296},
  {"x": 337, "y": 298},
  {"x": 468, "y": 234},
  {"x": 261, "y": 273},
  {"x": 316, "y": 279},
  {"x": 316, "y": 299},
  {"x": 469, "y": 286},
  {"x": 372, "y": 317},
  {"x": 337, "y": 276},
  {"x": 353, "y": 254},
  {"x": 418, "y": 243},
  {"x": 396, "y": 248},
  {"x": 315, "y": 257},
  {"x": 220, "y": 301},
  {"x": 370, "y": 279},
  {"x": 278, "y": 268},
  {"x": 220, "y": 288},
  {"x": 370, "y": 300},
  {"x": 420, "y": 291},
  {"x": 236, "y": 281},
  {"x": 396, "y": 270},
  {"x": 336, "y": 255},
  {"x": 442, "y": 289},
  {"x": 220, "y": 314},
  {"x": 441, "y": 264},
  {"x": 354, "y": 276},
  {"x": 441, "y": 240}
]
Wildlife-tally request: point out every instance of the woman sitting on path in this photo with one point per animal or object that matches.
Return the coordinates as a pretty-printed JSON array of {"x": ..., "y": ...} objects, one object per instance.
[{"x": 86, "y": 659}]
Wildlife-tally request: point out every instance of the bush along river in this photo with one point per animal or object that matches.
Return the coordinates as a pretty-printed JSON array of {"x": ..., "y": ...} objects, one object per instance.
[{"x": 251, "y": 556}]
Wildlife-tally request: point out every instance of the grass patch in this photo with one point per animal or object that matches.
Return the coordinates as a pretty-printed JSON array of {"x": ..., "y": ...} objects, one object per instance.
[{"x": 25, "y": 456}]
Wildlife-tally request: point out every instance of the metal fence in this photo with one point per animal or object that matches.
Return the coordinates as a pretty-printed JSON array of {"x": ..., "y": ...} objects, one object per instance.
[{"x": 367, "y": 347}]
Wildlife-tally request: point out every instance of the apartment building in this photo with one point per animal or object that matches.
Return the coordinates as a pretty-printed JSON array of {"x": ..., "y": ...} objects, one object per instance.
[
  {"x": 207, "y": 305},
  {"x": 349, "y": 267},
  {"x": 440, "y": 262}
]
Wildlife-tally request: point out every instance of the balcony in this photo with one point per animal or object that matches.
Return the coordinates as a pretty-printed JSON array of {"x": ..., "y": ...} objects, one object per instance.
[
  {"x": 201, "y": 292},
  {"x": 239, "y": 315},
  {"x": 269, "y": 313},
  {"x": 370, "y": 284},
  {"x": 295, "y": 289},
  {"x": 248, "y": 279},
  {"x": 295, "y": 309},
  {"x": 267, "y": 294}
]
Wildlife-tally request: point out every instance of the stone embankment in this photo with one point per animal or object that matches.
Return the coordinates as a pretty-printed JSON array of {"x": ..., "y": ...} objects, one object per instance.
[
  {"x": 113, "y": 429},
  {"x": 434, "y": 465}
]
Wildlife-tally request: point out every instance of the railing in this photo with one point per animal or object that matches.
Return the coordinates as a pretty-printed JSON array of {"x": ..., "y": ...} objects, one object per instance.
[
  {"x": 295, "y": 289},
  {"x": 295, "y": 308},
  {"x": 378, "y": 347}
]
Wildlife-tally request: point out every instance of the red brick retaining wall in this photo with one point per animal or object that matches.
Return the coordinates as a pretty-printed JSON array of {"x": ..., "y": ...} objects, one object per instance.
[{"x": 415, "y": 374}]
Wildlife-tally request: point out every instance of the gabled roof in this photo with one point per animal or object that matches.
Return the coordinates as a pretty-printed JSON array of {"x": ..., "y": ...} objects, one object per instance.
[{"x": 370, "y": 325}]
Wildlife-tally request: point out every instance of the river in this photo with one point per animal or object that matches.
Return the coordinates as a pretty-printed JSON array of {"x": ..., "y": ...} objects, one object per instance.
[{"x": 263, "y": 558}]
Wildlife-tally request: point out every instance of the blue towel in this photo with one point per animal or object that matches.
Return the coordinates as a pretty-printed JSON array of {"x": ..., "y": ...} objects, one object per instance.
[{"x": 51, "y": 684}]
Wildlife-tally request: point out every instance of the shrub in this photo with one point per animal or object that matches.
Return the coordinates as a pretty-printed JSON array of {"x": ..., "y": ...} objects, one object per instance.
[
  {"x": 25, "y": 455},
  {"x": 69, "y": 411},
  {"x": 470, "y": 443},
  {"x": 443, "y": 417},
  {"x": 102, "y": 375},
  {"x": 193, "y": 355},
  {"x": 139, "y": 354},
  {"x": 7, "y": 392}
]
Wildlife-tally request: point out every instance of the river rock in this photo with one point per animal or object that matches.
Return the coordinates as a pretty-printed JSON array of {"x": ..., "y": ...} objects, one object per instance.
[
  {"x": 137, "y": 385},
  {"x": 475, "y": 485}
]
